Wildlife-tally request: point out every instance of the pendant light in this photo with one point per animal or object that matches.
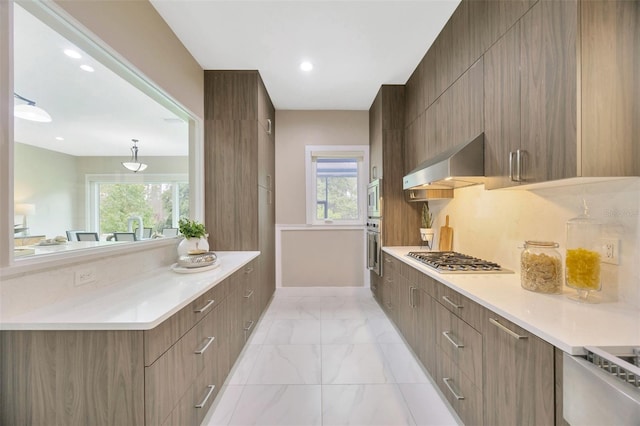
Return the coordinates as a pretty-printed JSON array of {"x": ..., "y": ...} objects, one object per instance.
[
  {"x": 30, "y": 111},
  {"x": 134, "y": 165}
]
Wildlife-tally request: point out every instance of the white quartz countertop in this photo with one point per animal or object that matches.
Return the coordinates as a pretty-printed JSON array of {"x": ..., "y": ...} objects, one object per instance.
[
  {"x": 564, "y": 323},
  {"x": 140, "y": 303}
]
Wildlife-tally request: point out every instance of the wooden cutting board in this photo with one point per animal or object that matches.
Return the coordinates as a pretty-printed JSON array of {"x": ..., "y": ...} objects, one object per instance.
[{"x": 446, "y": 237}]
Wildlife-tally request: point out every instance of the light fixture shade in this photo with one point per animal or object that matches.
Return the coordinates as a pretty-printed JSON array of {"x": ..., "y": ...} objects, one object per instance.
[
  {"x": 134, "y": 165},
  {"x": 31, "y": 113},
  {"x": 24, "y": 209}
]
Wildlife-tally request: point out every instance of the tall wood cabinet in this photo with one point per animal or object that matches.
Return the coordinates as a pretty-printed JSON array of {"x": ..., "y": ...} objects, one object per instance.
[
  {"x": 400, "y": 220},
  {"x": 240, "y": 170}
]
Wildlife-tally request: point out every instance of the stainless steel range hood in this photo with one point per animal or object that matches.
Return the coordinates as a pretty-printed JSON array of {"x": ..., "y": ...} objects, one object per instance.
[{"x": 458, "y": 167}]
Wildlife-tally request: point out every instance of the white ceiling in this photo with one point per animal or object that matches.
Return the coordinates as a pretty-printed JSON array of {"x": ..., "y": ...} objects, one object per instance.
[{"x": 355, "y": 46}]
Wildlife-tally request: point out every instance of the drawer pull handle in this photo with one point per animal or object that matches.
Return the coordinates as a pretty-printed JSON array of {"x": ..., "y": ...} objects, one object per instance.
[
  {"x": 248, "y": 270},
  {"x": 412, "y": 299},
  {"x": 205, "y": 307},
  {"x": 249, "y": 326},
  {"x": 455, "y": 394},
  {"x": 451, "y": 302},
  {"x": 453, "y": 342},
  {"x": 506, "y": 330},
  {"x": 388, "y": 260},
  {"x": 206, "y": 345},
  {"x": 249, "y": 295},
  {"x": 204, "y": 401}
]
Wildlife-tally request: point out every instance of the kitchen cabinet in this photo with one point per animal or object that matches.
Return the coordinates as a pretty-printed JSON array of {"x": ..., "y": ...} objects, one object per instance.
[
  {"x": 166, "y": 375},
  {"x": 490, "y": 370},
  {"x": 240, "y": 171},
  {"x": 548, "y": 80},
  {"x": 401, "y": 220},
  {"x": 518, "y": 375}
]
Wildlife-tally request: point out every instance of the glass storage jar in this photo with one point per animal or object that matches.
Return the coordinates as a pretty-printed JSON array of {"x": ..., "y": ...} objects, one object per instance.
[
  {"x": 541, "y": 267},
  {"x": 583, "y": 256}
]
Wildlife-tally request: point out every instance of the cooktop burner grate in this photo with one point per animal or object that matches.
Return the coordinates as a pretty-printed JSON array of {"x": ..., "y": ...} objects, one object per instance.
[{"x": 454, "y": 262}]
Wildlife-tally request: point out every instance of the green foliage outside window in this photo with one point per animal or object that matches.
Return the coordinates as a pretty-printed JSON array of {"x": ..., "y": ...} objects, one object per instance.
[
  {"x": 337, "y": 198},
  {"x": 118, "y": 202}
]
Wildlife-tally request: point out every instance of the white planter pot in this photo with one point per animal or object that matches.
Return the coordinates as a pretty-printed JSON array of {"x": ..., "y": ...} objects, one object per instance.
[
  {"x": 188, "y": 245},
  {"x": 426, "y": 235}
]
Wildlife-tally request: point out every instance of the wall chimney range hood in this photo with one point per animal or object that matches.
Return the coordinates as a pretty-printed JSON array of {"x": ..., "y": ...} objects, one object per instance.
[{"x": 460, "y": 166}]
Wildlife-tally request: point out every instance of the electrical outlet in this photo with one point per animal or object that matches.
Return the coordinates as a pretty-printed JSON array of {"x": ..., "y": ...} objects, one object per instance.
[
  {"x": 611, "y": 251},
  {"x": 85, "y": 276}
]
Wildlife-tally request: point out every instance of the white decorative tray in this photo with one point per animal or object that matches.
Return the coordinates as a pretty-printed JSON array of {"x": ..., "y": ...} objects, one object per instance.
[{"x": 182, "y": 270}]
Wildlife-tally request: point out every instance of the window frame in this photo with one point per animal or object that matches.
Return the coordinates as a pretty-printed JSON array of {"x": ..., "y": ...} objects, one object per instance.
[
  {"x": 359, "y": 151},
  {"x": 93, "y": 181}
]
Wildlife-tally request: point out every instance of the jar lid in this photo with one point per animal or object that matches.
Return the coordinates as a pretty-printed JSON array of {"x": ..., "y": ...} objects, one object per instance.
[{"x": 549, "y": 244}]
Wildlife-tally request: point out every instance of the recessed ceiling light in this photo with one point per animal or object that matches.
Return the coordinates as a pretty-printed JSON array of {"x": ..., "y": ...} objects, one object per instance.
[
  {"x": 72, "y": 54},
  {"x": 59, "y": 138},
  {"x": 306, "y": 66},
  {"x": 87, "y": 68}
]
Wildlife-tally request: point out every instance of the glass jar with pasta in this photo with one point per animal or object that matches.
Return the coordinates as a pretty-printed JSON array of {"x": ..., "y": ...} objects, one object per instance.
[
  {"x": 541, "y": 267},
  {"x": 583, "y": 256}
]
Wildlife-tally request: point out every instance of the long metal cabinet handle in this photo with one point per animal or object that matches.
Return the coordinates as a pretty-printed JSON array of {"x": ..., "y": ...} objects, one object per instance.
[
  {"x": 248, "y": 295},
  {"x": 451, "y": 302},
  {"x": 206, "y": 346},
  {"x": 506, "y": 330},
  {"x": 456, "y": 395},
  {"x": 249, "y": 326},
  {"x": 453, "y": 342},
  {"x": 518, "y": 165},
  {"x": 204, "y": 401},
  {"x": 511, "y": 155},
  {"x": 412, "y": 297},
  {"x": 269, "y": 129},
  {"x": 205, "y": 307}
]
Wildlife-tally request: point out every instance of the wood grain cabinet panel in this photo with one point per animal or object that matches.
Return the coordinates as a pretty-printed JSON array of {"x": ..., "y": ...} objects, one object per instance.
[
  {"x": 72, "y": 378},
  {"x": 463, "y": 395},
  {"x": 425, "y": 331},
  {"x": 501, "y": 108},
  {"x": 460, "y": 342},
  {"x": 518, "y": 375},
  {"x": 461, "y": 306}
]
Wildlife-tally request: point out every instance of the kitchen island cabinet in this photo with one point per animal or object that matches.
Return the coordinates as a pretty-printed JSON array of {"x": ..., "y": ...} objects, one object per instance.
[{"x": 152, "y": 351}]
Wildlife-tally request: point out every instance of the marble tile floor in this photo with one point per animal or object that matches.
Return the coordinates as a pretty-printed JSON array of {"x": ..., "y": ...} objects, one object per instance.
[{"x": 327, "y": 356}]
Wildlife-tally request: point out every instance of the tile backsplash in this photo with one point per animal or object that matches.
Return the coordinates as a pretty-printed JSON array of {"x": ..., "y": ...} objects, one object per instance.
[{"x": 494, "y": 225}]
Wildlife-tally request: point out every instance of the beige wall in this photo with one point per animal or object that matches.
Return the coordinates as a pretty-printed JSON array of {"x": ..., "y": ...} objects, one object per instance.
[
  {"x": 295, "y": 130},
  {"x": 337, "y": 258},
  {"x": 137, "y": 32},
  {"x": 314, "y": 257}
]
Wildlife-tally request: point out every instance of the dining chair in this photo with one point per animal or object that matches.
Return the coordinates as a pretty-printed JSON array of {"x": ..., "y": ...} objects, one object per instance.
[
  {"x": 125, "y": 236},
  {"x": 71, "y": 235},
  {"x": 146, "y": 232},
  {"x": 87, "y": 236},
  {"x": 170, "y": 232}
]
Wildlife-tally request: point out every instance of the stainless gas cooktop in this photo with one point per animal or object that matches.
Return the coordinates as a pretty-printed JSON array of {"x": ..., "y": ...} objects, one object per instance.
[{"x": 451, "y": 262}]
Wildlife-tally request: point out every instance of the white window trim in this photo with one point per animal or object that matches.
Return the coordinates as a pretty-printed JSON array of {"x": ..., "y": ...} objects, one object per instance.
[
  {"x": 310, "y": 172},
  {"x": 92, "y": 181}
]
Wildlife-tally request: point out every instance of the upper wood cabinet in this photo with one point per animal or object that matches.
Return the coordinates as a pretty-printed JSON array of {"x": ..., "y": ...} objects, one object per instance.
[
  {"x": 560, "y": 94},
  {"x": 239, "y": 157}
]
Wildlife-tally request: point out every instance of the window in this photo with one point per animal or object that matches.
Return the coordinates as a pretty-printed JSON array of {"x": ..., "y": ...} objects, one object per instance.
[
  {"x": 336, "y": 184},
  {"x": 160, "y": 201}
]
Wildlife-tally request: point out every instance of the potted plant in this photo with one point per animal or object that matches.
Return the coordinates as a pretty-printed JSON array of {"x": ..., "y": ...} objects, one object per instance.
[
  {"x": 426, "y": 230},
  {"x": 195, "y": 237}
]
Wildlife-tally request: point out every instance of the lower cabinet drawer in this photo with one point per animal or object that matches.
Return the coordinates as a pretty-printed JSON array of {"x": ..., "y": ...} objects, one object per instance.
[
  {"x": 461, "y": 342},
  {"x": 167, "y": 379},
  {"x": 460, "y": 391},
  {"x": 195, "y": 403},
  {"x": 461, "y": 306}
]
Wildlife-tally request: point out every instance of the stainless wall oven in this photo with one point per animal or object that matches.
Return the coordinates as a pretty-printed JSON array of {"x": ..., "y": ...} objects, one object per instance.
[
  {"x": 374, "y": 198},
  {"x": 374, "y": 247}
]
